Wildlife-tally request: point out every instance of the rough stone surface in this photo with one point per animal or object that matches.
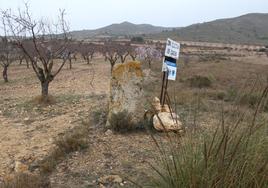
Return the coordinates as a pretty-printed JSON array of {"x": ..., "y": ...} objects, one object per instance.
[
  {"x": 156, "y": 104},
  {"x": 126, "y": 93},
  {"x": 20, "y": 167},
  {"x": 108, "y": 132},
  {"x": 168, "y": 123},
  {"x": 165, "y": 108}
]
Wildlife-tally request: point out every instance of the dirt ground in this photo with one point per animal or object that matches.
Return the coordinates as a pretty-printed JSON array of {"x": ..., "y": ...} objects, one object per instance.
[{"x": 28, "y": 131}]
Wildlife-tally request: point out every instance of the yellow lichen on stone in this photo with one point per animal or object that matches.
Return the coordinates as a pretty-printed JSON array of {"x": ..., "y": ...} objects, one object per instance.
[
  {"x": 126, "y": 91},
  {"x": 129, "y": 67}
]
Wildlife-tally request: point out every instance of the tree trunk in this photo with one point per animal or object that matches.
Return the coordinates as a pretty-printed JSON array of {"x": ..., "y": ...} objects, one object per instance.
[
  {"x": 44, "y": 86},
  {"x": 70, "y": 63},
  {"x": 27, "y": 63},
  {"x": 112, "y": 67},
  {"x": 5, "y": 74},
  {"x": 133, "y": 57},
  {"x": 149, "y": 63}
]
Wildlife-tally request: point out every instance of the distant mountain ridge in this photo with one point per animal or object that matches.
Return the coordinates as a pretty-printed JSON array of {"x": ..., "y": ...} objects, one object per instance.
[
  {"x": 246, "y": 29},
  {"x": 121, "y": 29},
  {"x": 249, "y": 28}
]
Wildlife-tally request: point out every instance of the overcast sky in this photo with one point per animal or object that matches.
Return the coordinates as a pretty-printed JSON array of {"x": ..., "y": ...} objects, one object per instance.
[{"x": 91, "y": 14}]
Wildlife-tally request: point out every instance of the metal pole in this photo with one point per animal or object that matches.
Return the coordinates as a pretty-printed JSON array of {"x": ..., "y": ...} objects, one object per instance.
[
  {"x": 162, "y": 89},
  {"x": 165, "y": 89}
]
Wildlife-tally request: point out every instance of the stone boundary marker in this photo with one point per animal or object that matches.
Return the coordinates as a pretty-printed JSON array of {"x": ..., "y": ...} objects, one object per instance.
[{"x": 126, "y": 92}]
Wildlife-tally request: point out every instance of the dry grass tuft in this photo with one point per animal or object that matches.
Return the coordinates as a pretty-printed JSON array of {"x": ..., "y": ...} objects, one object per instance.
[
  {"x": 232, "y": 153},
  {"x": 121, "y": 122},
  {"x": 44, "y": 100},
  {"x": 199, "y": 81},
  {"x": 26, "y": 180},
  {"x": 73, "y": 140}
]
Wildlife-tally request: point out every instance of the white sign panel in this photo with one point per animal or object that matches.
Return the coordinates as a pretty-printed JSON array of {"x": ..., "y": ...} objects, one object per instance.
[
  {"x": 171, "y": 70},
  {"x": 172, "y": 49}
]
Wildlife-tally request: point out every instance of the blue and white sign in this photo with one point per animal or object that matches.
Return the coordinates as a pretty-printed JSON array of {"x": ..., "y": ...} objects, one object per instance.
[
  {"x": 172, "y": 53},
  {"x": 171, "y": 70}
]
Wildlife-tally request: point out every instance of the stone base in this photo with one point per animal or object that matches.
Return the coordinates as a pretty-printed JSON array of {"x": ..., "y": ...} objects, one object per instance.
[{"x": 163, "y": 121}]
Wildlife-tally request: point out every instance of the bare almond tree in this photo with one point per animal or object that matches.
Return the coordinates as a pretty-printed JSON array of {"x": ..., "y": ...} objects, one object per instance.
[
  {"x": 123, "y": 51},
  {"x": 42, "y": 42},
  {"x": 73, "y": 49},
  {"x": 110, "y": 52},
  {"x": 87, "y": 51},
  {"x": 132, "y": 52},
  {"x": 8, "y": 51},
  {"x": 22, "y": 57}
]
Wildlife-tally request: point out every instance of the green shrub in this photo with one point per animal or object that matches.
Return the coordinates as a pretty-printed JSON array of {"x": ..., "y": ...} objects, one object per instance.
[
  {"x": 232, "y": 154},
  {"x": 231, "y": 94},
  {"x": 224, "y": 158},
  {"x": 249, "y": 100},
  {"x": 216, "y": 94},
  {"x": 221, "y": 95},
  {"x": 137, "y": 39},
  {"x": 262, "y": 50},
  {"x": 121, "y": 122},
  {"x": 200, "y": 81}
]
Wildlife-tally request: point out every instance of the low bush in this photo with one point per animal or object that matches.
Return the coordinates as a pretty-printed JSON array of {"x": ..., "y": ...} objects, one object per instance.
[
  {"x": 74, "y": 140},
  {"x": 221, "y": 95},
  {"x": 262, "y": 50},
  {"x": 25, "y": 180},
  {"x": 249, "y": 100},
  {"x": 121, "y": 122},
  {"x": 217, "y": 159},
  {"x": 137, "y": 39},
  {"x": 230, "y": 154},
  {"x": 199, "y": 81},
  {"x": 44, "y": 100},
  {"x": 231, "y": 94},
  {"x": 99, "y": 116}
]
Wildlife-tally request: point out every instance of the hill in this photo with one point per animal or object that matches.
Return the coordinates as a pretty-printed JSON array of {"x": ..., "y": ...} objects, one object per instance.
[
  {"x": 250, "y": 28},
  {"x": 121, "y": 29}
]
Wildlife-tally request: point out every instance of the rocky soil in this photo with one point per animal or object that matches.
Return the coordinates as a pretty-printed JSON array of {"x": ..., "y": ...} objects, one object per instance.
[{"x": 28, "y": 131}]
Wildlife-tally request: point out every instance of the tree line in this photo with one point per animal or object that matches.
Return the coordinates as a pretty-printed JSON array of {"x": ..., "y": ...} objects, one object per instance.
[{"x": 39, "y": 43}]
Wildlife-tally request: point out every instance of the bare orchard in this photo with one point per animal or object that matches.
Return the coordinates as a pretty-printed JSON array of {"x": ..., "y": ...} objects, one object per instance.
[{"x": 29, "y": 129}]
